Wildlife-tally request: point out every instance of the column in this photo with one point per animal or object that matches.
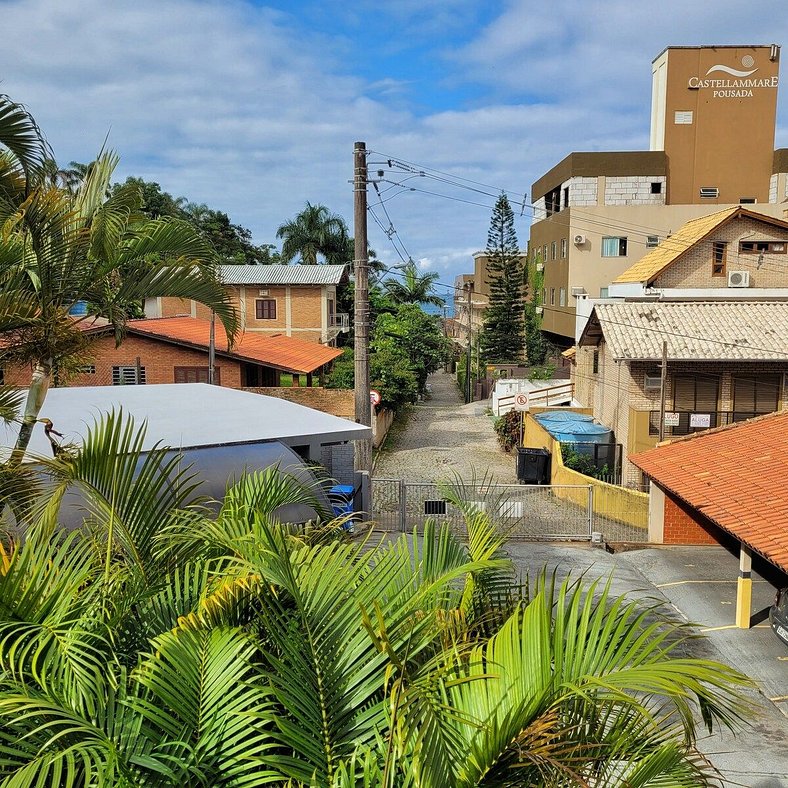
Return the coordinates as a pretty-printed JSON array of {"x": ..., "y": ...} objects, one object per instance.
[{"x": 744, "y": 588}]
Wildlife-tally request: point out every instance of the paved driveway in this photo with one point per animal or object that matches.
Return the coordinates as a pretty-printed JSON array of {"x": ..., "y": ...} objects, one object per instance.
[
  {"x": 699, "y": 585},
  {"x": 443, "y": 438}
]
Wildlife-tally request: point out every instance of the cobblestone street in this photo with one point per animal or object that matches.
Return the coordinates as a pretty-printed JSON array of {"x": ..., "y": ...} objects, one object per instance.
[{"x": 444, "y": 437}]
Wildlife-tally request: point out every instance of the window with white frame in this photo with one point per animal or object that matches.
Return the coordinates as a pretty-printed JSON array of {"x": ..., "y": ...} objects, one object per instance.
[
  {"x": 553, "y": 250},
  {"x": 128, "y": 376},
  {"x": 552, "y": 296},
  {"x": 652, "y": 241},
  {"x": 614, "y": 247},
  {"x": 562, "y": 297},
  {"x": 563, "y": 248}
]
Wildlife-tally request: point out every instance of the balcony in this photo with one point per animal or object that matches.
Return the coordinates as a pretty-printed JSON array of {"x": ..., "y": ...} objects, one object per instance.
[{"x": 340, "y": 322}]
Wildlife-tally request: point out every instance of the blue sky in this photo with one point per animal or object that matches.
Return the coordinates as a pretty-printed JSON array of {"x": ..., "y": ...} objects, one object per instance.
[{"x": 253, "y": 107}]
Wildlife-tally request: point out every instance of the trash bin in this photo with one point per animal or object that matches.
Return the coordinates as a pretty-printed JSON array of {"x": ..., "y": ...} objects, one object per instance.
[
  {"x": 533, "y": 465},
  {"x": 340, "y": 497}
]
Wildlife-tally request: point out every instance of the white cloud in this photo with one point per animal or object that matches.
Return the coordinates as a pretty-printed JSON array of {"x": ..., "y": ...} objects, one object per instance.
[{"x": 244, "y": 109}]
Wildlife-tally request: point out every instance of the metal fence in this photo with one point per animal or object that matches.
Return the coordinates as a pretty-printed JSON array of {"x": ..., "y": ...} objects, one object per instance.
[{"x": 533, "y": 512}]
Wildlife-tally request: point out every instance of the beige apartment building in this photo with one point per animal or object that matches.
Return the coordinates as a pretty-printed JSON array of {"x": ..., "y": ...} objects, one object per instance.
[
  {"x": 294, "y": 300},
  {"x": 712, "y": 146}
]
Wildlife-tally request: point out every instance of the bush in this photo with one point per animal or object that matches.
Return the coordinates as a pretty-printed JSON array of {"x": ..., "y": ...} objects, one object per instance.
[{"x": 507, "y": 427}]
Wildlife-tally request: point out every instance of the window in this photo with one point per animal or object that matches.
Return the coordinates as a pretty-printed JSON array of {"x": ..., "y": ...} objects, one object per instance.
[
  {"x": 553, "y": 250},
  {"x": 563, "y": 248},
  {"x": 718, "y": 255},
  {"x": 762, "y": 247},
  {"x": 196, "y": 375},
  {"x": 747, "y": 200},
  {"x": 694, "y": 394},
  {"x": 265, "y": 308},
  {"x": 614, "y": 247},
  {"x": 683, "y": 117},
  {"x": 709, "y": 192},
  {"x": 552, "y": 296},
  {"x": 87, "y": 369},
  {"x": 562, "y": 297},
  {"x": 595, "y": 362},
  {"x": 755, "y": 395},
  {"x": 652, "y": 241},
  {"x": 128, "y": 376},
  {"x": 656, "y": 187},
  {"x": 544, "y": 253},
  {"x": 603, "y": 292},
  {"x": 566, "y": 196},
  {"x": 544, "y": 295}
]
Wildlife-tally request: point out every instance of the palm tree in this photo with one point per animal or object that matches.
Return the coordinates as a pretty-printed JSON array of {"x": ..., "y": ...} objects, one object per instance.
[
  {"x": 415, "y": 288},
  {"x": 59, "y": 248},
  {"x": 160, "y": 646},
  {"x": 315, "y": 231}
]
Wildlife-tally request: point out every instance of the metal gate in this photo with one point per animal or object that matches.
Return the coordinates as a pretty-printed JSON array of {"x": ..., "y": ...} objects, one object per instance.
[{"x": 525, "y": 511}]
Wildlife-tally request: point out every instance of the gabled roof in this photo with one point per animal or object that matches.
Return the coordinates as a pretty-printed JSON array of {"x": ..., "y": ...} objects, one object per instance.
[
  {"x": 651, "y": 265},
  {"x": 694, "y": 330},
  {"x": 280, "y": 352},
  {"x": 282, "y": 274},
  {"x": 736, "y": 476}
]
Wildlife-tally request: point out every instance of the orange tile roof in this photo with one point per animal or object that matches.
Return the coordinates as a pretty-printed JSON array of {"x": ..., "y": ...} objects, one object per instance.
[
  {"x": 736, "y": 475},
  {"x": 281, "y": 352}
]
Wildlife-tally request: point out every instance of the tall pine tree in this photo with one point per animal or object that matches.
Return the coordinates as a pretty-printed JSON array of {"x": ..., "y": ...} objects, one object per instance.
[{"x": 502, "y": 338}]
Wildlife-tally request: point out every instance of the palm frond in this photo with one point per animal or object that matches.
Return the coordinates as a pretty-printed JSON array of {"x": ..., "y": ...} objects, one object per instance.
[{"x": 21, "y": 135}]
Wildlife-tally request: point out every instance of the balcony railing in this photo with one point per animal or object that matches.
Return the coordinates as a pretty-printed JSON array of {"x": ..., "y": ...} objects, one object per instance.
[
  {"x": 687, "y": 424},
  {"x": 341, "y": 321}
]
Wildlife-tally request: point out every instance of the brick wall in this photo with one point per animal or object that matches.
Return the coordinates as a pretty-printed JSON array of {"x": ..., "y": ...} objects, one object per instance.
[
  {"x": 684, "y": 525},
  {"x": 693, "y": 269},
  {"x": 337, "y": 402},
  {"x": 158, "y": 359}
]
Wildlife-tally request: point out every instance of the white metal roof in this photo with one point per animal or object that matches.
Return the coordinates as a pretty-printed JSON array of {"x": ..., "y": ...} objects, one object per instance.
[
  {"x": 693, "y": 330},
  {"x": 282, "y": 274},
  {"x": 186, "y": 415}
]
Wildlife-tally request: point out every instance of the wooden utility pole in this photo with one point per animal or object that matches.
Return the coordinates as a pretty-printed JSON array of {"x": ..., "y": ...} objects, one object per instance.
[
  {"x": 361, "y": 310},
  {"x": 663, "y": 374},
  {"x": 468, "y": 397},
  {"x": 212, "y": 350}
]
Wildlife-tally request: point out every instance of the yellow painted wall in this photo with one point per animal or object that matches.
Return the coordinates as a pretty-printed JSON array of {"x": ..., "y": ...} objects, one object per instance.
[{"x": 610, "y": 500}]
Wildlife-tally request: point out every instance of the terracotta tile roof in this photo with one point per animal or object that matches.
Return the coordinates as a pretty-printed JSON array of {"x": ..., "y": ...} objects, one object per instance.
[
  {"x": 736, "y": 475},
  {"x": 280, "y": 352},
  {"x": 694, "y": 330},
  {"x": 657, "y": 260}
]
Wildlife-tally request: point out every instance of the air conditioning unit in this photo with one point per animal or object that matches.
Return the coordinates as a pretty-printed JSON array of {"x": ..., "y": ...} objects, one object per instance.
[
  {"x": 579, "y": 240},
  {"x": 738, "y": 279},
  {"x": 652, "y": 383},
  {"x": 578, "y": 291},
  {"x": 263, "y": 292},
  {"x": 539, "y": 267}
]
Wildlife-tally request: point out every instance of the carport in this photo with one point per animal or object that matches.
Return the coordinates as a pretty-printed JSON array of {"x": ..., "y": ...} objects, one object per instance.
[{"x": 722, "y": 486}]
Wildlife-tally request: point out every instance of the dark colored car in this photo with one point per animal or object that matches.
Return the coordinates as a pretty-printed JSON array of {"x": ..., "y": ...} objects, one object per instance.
[{"x": 778, "y": 615}]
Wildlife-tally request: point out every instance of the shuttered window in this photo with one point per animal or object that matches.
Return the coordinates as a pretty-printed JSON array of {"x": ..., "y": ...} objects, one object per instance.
[
  {"x": 265, "y": 308},
  {"x": 755, "y": 395},
  {"x": 196, "y": 375},
  {"x": 696, "y": 393}
]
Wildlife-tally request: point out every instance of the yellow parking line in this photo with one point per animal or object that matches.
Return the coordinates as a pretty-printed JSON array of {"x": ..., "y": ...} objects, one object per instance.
[
  {"x": 779, "y": 698},
  {"x": 683, "y": 582},
  {"x": 717, "y": 629}
]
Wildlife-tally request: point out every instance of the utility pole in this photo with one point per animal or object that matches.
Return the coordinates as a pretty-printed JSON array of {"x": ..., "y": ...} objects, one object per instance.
[
  {"x": 663, "y": 374},
  {"x": 469, "y": 286},
  {"x": 361, "y": 306},
  {"x": 212, "y": 350}
]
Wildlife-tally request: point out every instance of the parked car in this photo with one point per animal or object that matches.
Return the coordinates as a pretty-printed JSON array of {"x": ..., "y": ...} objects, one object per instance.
[{"x": 778, "y": 615}]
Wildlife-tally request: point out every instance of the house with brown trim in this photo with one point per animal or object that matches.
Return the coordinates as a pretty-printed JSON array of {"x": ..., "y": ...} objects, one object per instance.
[
  {"x": 727, "y": 361},
  {"x": 726, "y": 486},
  {"x": 175, "y": 350},
  {"x": 293, "y": 300}
]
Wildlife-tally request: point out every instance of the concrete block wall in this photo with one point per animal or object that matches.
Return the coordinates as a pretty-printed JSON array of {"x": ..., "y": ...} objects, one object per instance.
[
  {"x": 633, "y": 190},
  {"x": 693, "y": 268},
  {"x": 582, "y": 191},
  {"x": 338, "y": 459}
]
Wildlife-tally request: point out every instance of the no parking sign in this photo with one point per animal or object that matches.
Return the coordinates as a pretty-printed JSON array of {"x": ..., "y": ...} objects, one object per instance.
[{"x": 521, "y": 401}]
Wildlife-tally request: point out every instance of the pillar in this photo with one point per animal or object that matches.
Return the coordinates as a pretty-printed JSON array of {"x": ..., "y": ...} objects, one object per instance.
[{"x": 744, "y": 588}]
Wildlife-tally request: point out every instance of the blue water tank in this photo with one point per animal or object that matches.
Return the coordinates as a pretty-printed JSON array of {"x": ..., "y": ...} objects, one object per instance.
[
  {"x": 554, "y": 416},
  {"x": 578, "y": 430},
  {"x": 79, "y": 309}
]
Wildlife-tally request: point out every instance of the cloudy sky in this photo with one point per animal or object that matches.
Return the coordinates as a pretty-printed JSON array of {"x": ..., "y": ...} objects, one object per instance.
[{"x": 253, "y": 107}]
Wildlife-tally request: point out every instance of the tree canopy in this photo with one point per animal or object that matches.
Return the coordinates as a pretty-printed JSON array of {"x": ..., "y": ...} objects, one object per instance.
[
  {"x": 411, "y": 287},
  {"x": 313, "y": 233},
  {"x": 502, "y": 338}
]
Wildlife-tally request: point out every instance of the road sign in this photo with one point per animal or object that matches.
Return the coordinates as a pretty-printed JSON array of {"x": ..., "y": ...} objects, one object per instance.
[
  {"x": 521, "y": 401},
  {"x": 374, "y": 397}
]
